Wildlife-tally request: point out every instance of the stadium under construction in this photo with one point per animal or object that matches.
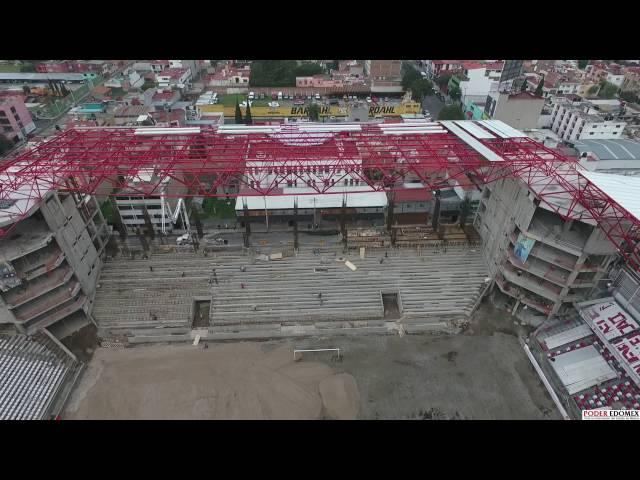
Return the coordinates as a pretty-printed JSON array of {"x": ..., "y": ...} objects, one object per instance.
[{"x": 399, "y": 227}]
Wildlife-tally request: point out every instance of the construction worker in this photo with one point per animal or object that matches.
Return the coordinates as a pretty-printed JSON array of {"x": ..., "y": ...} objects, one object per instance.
[
  {"x": 150, "y": 268},
  {"x": 242, "y": 285},
  {"x": 182, "y": 274}
]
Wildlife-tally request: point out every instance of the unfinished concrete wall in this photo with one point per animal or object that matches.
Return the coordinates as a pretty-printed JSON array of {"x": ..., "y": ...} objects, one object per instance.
[
  {"x": 599, "y": 244},
  {"x": 504, "y": 205},
  {"x": 72, "y": 236}
]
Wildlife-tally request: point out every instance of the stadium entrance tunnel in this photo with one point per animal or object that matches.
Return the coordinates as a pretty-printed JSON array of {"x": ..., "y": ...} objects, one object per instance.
[
  {"x": 201, "y": 308},
  {"x": 391, "y": 305}
]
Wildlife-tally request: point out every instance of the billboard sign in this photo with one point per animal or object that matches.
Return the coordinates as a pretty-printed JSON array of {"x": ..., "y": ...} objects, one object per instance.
[
  {"x": 523, "y": 247},
  {"x": 610, "y": 319}
]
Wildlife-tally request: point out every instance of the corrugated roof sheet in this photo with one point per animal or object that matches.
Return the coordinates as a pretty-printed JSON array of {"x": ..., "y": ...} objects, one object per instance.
[
  {"x": 618, "y": 149},
  {"x": 622, "y": 189}
]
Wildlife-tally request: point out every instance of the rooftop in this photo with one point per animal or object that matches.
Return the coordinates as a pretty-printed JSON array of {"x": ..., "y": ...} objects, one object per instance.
[{"x": 618, "y": 149}]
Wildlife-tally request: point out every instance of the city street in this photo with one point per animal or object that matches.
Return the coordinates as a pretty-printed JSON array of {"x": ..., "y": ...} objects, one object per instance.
[{"x": 433, "y": 105}]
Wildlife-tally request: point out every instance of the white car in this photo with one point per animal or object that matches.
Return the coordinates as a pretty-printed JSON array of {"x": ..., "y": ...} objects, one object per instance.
[
  {"x": 274, "y": 104},
  {"x": 251, "y": 95},
  {"x": 244, "y": 104},
  {"x": 368, "y": 99},
  {"x": 183, "y": 239}
]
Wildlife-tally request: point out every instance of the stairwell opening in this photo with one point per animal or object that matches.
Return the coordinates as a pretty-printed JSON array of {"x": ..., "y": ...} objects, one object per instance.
[
  {"x": 391, "y": 305},
  {"x": 201, "y": 310}
]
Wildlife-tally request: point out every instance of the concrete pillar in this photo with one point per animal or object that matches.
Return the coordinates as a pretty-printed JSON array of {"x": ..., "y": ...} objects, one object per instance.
[
  {"x": 515, "y": 307},
  {"x": 567, "y": 225}
]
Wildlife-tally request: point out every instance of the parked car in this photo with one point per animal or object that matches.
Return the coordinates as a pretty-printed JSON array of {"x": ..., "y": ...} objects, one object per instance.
[
  {"x": 274, "y": 104},
  {"x": 369, "y": 100},
  {"x": 299, "y": 102}
]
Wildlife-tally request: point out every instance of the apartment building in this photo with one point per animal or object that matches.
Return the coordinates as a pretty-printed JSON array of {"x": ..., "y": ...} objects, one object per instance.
[
  {"x": 541, "y": 262},
  {"x": 385, "y": 75},
  {"x": 50, "y": 263},
  {"x": 577, "y": 121},
  {"x": 15, "y": 120}
]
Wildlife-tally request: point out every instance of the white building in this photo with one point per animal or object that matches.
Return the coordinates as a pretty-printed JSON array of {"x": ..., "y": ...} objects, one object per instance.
[
  {"x": 620, "y": 156},
  {"x": 615, "y": 79},
  {"x": 177, "y": 77},
  {"x": 579, "y": 121},
  {"x": 479, "y": 81}
]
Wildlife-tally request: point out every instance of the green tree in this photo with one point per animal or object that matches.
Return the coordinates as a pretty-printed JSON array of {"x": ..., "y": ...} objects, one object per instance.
[
  {"x": 276, "y": 73},
  {"x": 308, "y": 69},
  {"x": 451, "y": 112},
  {"x": 582, "y": 64},
  {"x": 238, "y": 113},
  {"x": 247, "y": 116},
  {"x": 443, "y": 80},
  {"x": 539, "y": 92},
  {"x": 27, "y": 68},
  {"x": 314, "y": 112},
  {"x": 420, "y": 88},
  {"x": 455, "y": 93},
  {"x": 608, "y": 90},
  {"x": 5, "y": 144},
  {"x": 409, "y": 76},
  {"x": 629, "y": 96},
  {"x": 593, "y": 90}
]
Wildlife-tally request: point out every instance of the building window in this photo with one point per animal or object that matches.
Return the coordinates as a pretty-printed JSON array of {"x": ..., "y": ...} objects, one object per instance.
[{"x": 590, "y": 133}]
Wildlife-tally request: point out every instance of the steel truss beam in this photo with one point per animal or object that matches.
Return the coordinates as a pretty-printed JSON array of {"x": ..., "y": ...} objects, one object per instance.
[{"x": 112, "y": 161}]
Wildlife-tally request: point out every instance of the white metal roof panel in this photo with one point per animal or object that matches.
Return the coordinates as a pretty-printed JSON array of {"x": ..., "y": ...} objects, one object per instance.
[
  {"x": 500, "y": 133},
  {"x": 568, "y": 336},
  {"x": 500, "y": 127},
  {"x": 472, "y": 142},
  {"x": 366, "y": 199},
  {"x": 624, "y": 190},
  {"x": 582, "y": 368},
  {"x": 474, "y": 130}
]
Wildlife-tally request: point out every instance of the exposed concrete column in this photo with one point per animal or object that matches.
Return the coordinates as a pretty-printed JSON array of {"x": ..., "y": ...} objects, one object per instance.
[
  {"x": 567, "y": 225},
  {"x": 576, "y": 271},
  {"x": 515, "y": 307},
  {"x": 295, "y": 224}
]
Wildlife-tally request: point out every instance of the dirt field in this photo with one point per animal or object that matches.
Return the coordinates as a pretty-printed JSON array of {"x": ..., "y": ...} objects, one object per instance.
[{"x": 482, "y": 374}]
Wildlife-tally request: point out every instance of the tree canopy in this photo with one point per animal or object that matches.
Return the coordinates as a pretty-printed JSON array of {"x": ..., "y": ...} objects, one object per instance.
[
  {"x": 238, "y": 114},
  {"x": 247, "y": 116},
  {"x": 540, "y": 88},
  {"x": 608, "y": 90},
  {"x": 420, "y": 88},
  {"x": 314, "y": 112},
  {"x": 451, "y": 112},
  {"x": 281, "y": 73},
  {"x": 455, "y": 93},
  {"x": 629, "y": 96},
  {"x": 582, "y": 64},
  {"x": 409, "y": 75}
]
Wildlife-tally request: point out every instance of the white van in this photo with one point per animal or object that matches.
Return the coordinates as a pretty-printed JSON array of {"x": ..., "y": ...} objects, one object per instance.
[
  {"x": 317, "y": 96},
  {"x": 251, "y": 95},
  {"x": 279, "y": 95}
]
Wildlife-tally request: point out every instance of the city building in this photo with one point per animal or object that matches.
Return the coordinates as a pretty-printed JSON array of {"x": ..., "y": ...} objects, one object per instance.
[
  {"x": 174, "y": 77},
  {"x": 385, "y": 75},
  {"x": 435, "y": 68},
  {"x": 520, "y": 110},
  {"x": 631, "y": 81},
  {"x": 541, "y": 261},
  {"x": 51, "y": 261},
  {"x": 15, "y": 120},
  {"x": 577, "y": 121},
  {"x": 620, "y": 156},
  {"x": 162, "y": 211},
  {"x": 319, "y": 81}
]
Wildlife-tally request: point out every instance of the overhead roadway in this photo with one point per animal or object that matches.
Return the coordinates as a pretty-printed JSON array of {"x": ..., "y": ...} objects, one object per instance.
[{"x": 438, "y": 154}]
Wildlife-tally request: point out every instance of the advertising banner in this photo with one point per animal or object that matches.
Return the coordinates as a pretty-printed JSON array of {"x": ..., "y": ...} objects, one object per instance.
[{"x": 523, "y": 247}]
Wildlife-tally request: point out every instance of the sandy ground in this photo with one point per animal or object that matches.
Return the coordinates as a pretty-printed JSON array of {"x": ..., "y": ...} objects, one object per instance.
[
  {"x": 226, "y": 381},
  {"x": 481, "y": 374}
]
